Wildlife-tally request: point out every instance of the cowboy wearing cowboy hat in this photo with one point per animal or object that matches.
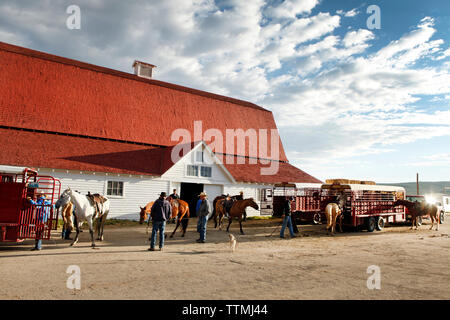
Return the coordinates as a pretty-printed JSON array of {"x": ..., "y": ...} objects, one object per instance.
[
  {"x": 160, "y": 213},
  {"x": 203, "y": 210}
]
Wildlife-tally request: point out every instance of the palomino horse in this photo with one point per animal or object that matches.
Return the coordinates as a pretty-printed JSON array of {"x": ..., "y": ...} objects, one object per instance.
[
  {"x": 417, "y": 209},
  {"x": 85, "y": 211},
  {"x": 333, "y": 212},
  {"x": 180, "y": 211},
  {"x": 66, "y": 213},
  {"x": 238, "y": 209}
]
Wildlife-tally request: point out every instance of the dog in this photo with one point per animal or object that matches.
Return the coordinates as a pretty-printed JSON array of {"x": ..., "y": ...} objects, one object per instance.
[{"x": 233, "y": 242}]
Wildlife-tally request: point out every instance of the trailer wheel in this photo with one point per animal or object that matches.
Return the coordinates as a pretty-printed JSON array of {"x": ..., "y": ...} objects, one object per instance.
[
  {"x": 371, "y": 224},
  {"x": 380, "y": 223},
  {"x": 317, "y": 218},
  {"x": 442, "y": 218}
]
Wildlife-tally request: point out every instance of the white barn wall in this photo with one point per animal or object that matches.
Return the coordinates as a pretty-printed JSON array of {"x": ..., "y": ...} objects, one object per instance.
[{"x": 137, "y": 191}]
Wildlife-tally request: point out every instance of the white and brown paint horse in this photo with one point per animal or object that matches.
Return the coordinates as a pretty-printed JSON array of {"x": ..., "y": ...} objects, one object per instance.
[{"x": 85, "y": 211}]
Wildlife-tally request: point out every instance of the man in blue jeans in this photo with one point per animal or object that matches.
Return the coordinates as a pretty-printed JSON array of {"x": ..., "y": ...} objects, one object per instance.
[
  {"x": 203, "y": 211},
  {"x": 287, "y": 221},
  {"x": 161, "y": 212},
  {"x": 42, "y": 215}
]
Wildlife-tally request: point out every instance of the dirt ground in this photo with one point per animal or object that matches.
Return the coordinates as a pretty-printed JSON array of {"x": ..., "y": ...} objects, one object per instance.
[{"x": 413, "y": 265}]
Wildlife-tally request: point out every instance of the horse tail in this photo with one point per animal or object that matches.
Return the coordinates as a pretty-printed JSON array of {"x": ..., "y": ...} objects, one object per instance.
[
  {"x": 185, "y": 220},
  {"x": 329, "y": 215},
  {"x": 213, "y": 214}
]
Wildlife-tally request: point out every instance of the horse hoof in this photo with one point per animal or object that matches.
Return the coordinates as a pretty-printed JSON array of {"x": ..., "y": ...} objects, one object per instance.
[
  {"x": 171, "y": 236},
  {"x": 182, "y": 235}
]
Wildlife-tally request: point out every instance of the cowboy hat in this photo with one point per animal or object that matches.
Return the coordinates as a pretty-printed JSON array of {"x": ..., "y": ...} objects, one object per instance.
[{"x": 202, "y": 194}]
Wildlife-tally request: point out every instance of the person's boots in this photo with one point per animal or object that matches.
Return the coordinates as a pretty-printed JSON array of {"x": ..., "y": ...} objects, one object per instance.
[
  {"x": 37, "y": 245},
  {"x": 67, "y": 234}
]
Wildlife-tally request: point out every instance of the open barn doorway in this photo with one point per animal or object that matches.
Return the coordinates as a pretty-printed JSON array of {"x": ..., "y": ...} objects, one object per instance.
[{"x": 189, "y": 192}]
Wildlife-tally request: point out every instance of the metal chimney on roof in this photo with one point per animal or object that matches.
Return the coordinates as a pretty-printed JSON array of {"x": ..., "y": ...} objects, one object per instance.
[{"x": 143, "y": 69}]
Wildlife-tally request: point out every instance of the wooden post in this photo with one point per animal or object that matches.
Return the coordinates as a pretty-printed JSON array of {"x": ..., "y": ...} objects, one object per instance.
[{"x": 417, "y": 183}]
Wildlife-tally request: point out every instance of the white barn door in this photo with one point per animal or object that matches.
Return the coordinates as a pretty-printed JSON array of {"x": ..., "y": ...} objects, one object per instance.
[{"x": 213, "y": 190}]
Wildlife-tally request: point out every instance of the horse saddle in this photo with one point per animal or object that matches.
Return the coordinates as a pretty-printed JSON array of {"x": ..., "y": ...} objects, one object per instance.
[
  {"x": 227, "y": 204},
  {"x": 97, "y": 201}
]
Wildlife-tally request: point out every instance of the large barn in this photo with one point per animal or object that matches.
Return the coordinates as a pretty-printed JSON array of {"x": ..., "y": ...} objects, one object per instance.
[{"x": 111, "y": 132}]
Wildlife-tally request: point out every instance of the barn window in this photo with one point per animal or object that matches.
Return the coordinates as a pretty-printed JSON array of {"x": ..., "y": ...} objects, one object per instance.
[
  {"x": 192, "y": 171},
  {"x": 115, "y": 188},
  {"x": 199, "y": 156},
  {"x": 206, "y": 171}
]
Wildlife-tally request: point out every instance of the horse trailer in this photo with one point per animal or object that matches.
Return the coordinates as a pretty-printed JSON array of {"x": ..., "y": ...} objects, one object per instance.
[
  {"x": 366, "y": 205},
  {"x": 19, "y": 218}
]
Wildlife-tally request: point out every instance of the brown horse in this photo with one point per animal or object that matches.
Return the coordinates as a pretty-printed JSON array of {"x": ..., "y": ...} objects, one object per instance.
[
  {"x": 220, "y": 213},
  {"x": 214, "y": 213},
  {"x": 180, "y": 211},
  {"x": 145, "y": 212},
  {"x": 238, "y": 209},
  {"x": 419, "y": 209}
]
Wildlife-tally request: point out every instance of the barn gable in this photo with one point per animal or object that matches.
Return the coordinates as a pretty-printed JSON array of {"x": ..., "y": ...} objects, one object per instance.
[{"x": 189, "y": 168}]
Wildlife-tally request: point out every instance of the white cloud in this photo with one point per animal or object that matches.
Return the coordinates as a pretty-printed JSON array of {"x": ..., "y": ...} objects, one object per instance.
[
  {"x": 351, "y": 13},
  {"x": 291, "y": 8},
  {"x": 444, "y": 55}
]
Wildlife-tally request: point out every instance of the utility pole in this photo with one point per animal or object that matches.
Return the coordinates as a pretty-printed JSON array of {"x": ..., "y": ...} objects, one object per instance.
[{"x": 417, "y": 183}]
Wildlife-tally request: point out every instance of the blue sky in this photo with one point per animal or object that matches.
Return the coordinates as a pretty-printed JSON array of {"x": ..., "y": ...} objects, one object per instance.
[{"x": 349, "y": 102}]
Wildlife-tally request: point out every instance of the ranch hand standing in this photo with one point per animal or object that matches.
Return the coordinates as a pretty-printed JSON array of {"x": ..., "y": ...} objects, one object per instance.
[
  {"x": 202, "y": 213},
  {"x": 160, "y": 212},
  {"x": 42, "y": 214},
  {"x": 287, "y": 218}
]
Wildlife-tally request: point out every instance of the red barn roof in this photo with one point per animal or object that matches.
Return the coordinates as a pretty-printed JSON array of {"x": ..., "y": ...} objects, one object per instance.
[
  {"x": 45, "y": 150},
  {"x": 65, "y": 114},
  {"x": 47, "y": 92}
]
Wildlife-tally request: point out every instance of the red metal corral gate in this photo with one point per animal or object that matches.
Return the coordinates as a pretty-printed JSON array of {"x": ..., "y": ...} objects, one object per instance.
[{"x": 19, "y": 219}]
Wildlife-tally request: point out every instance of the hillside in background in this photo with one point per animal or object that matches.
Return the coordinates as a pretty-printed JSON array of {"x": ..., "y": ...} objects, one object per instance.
[{"x": 424, "y": 187}]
